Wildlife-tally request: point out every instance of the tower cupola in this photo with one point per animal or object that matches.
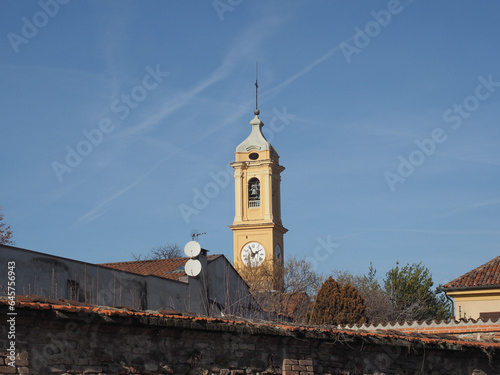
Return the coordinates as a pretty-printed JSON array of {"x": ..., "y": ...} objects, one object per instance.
[{"x": 256, "y": 141}]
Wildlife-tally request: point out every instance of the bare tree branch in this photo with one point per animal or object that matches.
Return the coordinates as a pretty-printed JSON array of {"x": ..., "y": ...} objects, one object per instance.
[
  {"x": 5, "y": 232},
  {"x": 167, "y": 251}
]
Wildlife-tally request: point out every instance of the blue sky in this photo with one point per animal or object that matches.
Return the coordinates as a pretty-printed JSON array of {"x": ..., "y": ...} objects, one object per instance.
[{"x": 117, "y": 115}]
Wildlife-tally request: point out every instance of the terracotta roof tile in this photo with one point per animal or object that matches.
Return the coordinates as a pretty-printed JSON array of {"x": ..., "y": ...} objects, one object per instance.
[
  {"x": 483, "y": 276},
  {"x": 167, "y": 268}
]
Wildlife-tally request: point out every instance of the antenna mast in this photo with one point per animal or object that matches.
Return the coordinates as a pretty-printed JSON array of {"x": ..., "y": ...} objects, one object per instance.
[{"x": 194, "y": 235}]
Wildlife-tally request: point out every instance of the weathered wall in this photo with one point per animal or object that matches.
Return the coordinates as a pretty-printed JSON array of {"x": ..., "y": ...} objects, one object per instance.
[
  {"x": 218, "y": 288},
  {"x": 473, "y": 307},
  {"x": 52, "y": 276},
  {"x": 81, "y": 340},
  {"x": 471, "y": 302},
  {"x": 224, "y": 281}
]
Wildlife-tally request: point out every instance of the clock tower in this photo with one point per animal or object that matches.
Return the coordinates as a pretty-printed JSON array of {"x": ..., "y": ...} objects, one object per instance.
[{"x": 257, "y": 228}]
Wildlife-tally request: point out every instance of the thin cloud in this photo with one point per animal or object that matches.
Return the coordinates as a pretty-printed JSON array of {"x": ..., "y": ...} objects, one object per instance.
[
  {"x": 283, "y": 85},
  {"x": 114, "y": 41},
  {"x": 179, "y": 101},
  {"x": 271, "y": 92},
  {"x": 476, "y": 156},
  {"x": 431, "y": 231},
  {"x": 469, "y": 207},
  {"x": 242, "y": 50},
  {"x": 99, "y": 209}
]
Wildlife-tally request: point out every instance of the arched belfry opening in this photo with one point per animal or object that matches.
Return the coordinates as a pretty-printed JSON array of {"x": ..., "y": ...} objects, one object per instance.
[{"x": 253, "y": 193}]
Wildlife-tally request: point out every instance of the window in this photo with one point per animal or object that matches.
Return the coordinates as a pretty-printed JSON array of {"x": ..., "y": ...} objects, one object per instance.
[{"x": 254, "y": 193}]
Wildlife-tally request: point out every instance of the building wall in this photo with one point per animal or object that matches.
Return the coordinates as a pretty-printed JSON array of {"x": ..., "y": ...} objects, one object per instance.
[
  {"x": 76, "y": 340},
  {"x": 228, "y": 292},
  {"x": 470, "y": 304},
  {"x": 57, "y": 277},
  {"x": 166, "y": 295},
  {"x": 466, "y": 308}
]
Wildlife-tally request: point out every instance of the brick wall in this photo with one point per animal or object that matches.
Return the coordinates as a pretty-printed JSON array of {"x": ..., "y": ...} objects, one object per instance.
[
  {"x": 83, "y": 340},
  {"x": 298, "y": 366}
]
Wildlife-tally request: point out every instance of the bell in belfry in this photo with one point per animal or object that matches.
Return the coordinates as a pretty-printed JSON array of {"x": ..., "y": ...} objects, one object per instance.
[{"x": 254, "y": 191}]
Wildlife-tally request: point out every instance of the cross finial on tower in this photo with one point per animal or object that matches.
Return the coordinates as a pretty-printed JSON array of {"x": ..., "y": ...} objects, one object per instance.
[{"x": 256, "y": 88}]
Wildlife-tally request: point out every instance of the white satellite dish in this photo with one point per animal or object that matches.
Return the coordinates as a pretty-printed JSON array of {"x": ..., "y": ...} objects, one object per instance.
[
  {"x": 192, "y": 249},
  {"x": 193, "y": 267}
]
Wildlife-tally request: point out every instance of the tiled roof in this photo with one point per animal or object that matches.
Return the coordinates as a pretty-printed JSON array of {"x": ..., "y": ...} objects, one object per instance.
[
  {"x": 486, "y": 275},
  {"x": 167, "y": 268}
]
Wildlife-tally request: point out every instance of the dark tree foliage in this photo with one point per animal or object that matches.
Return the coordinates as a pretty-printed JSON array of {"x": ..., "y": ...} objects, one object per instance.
[
  {"x": 378, "y": 306},
  {"x": 6, "y": 234},
  {"x": 337, "y": 305},
  {"x": 411, "y": 294}
]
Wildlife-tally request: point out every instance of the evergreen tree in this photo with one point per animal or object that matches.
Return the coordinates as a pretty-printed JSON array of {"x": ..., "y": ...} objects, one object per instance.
[
  {"x": 337, "y": 305},
  {"x": 410, "y": 291},
  {"x": 378, "y": 306}
]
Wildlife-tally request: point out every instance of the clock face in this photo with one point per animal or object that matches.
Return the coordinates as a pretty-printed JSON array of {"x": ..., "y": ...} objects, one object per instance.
[
  {"x": 277, "y": 251},
  {"x": 253, "y": 254}
]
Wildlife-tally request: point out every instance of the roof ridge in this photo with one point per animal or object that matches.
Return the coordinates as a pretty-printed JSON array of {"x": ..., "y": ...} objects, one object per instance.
[{"x": 145, "y": 260}]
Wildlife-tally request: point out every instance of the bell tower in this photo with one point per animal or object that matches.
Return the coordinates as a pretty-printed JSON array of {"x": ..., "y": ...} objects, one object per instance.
[{"x": 257, "y": 228}]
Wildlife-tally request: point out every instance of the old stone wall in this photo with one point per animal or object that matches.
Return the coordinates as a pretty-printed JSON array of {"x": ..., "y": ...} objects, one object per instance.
[{"x": 52, "y": 339}]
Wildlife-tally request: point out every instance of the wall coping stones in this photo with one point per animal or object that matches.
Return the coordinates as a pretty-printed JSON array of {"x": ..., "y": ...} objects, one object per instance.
[{"x": 393, "y": 334}]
